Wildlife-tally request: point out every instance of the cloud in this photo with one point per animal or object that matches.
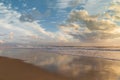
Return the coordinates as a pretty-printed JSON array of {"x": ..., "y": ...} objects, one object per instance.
[
  {"x": 91, "y": 22},
  {"x": 1, "y": 41},
  {"x": 18, "y": 30},
  {"x": 96, "y": 6},
  {"x": 63, "y": 4},
  {"x": 10, "y": 22},
  {"x": 80, "y": 25},
  {"x": 11, "y": 35},
  {"x": 2, "y": 34},
  {"x": 85, "y": 27},
  {"x": 113, "y": 12}
]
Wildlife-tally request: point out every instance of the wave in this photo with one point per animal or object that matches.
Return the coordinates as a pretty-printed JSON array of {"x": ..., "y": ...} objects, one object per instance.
[{"x": 106, "y": 53}]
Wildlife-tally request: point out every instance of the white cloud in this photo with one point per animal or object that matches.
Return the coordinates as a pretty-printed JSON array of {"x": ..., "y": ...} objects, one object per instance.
[
  {"x": 10, "y": 22},
  {"x": 96, "y": 6},
  {"x": 90, "y": 28},
  {"x": 62, "y": 4},
  {"x": 63, "y": 37},
  {"x": 11, "y": 35},
  {"x": 81, "y": 24},
  {"x": 113, "y": 12},
  {"x": 1, "y": 41},
  {"x": 92, "y": 24}
]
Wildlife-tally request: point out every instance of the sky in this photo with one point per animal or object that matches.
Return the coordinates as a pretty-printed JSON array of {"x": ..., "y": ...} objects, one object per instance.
[{"x": 25, "y": 21}]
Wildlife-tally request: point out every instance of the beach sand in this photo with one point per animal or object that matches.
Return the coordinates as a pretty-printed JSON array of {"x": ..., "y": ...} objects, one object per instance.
[{"x": 13, "y": 69}]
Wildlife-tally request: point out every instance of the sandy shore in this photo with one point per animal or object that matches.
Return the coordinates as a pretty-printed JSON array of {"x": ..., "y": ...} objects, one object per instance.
[{"x": 12, "y": 69}]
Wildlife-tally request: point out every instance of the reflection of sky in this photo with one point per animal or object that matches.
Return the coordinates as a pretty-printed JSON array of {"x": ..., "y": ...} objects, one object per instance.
[{"x": 73, "y": 66}]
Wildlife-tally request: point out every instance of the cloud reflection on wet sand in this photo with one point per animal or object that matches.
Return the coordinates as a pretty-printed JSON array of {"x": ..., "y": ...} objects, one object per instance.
[
  {"x": 76, "y": 67},
  {"x": 84, "y": 68}
]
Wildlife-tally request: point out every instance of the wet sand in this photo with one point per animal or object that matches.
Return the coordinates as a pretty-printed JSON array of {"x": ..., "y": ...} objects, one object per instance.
[
  {"x": 75, "y": 67},
  {"x": 13, "y": 69}
]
